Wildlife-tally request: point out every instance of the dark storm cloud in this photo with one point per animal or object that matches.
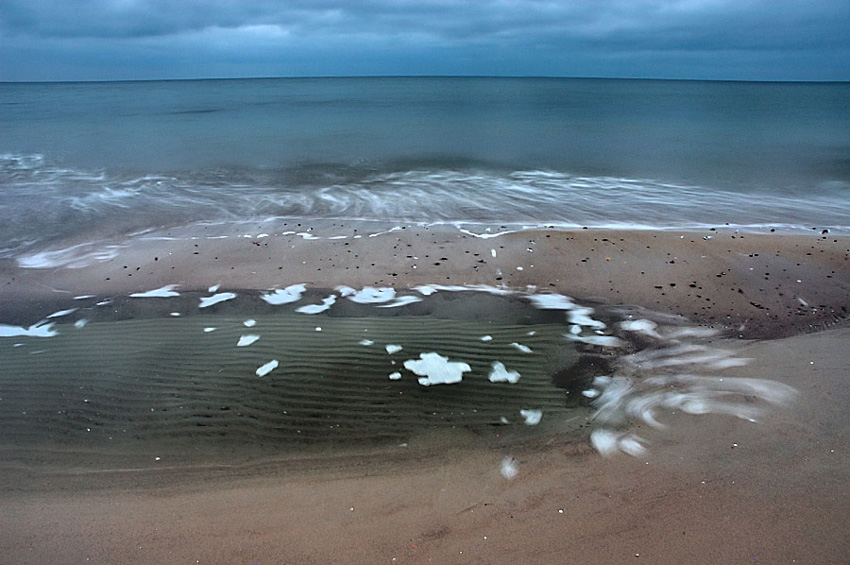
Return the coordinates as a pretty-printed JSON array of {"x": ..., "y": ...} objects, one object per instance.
[{"x": 419, "y": 36}]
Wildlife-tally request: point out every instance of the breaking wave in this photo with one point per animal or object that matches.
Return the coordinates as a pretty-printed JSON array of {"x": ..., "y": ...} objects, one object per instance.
[{"x": 44, "y": 202}]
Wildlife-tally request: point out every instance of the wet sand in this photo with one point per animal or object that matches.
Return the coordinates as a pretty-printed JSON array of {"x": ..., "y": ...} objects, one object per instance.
[{"x": 710, "y": 489}]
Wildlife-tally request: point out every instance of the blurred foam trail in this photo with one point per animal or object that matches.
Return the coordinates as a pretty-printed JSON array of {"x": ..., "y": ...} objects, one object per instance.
[{"x": 648, "y": 382}]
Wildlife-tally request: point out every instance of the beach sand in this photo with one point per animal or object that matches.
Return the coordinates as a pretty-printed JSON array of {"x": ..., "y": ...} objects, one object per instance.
[{"x": 710, "y": 489}]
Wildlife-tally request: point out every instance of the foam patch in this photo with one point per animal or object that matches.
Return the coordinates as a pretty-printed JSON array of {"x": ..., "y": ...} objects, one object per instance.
[
  {"x": 37, "y": 330},
  {"x": 246, "y": 340},
  {"x": 532, "y": 417},
  {"x": 166, "y": 291},
  {"x": 500, "y": 374},
  {"x": 286, "y": 295},
  {"x": 434, "y": 369},
  {"x": 207, "y": 301},
  {"x": 318, "y": 308},
  {"x": 267, "y": 368}
]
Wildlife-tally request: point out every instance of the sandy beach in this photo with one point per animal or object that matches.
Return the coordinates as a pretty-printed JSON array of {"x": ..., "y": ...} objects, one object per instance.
[{"x": 710, "y": 488}]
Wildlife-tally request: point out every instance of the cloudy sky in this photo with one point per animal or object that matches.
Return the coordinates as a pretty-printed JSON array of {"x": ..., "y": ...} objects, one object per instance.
[{"x": 148, "y": 39}]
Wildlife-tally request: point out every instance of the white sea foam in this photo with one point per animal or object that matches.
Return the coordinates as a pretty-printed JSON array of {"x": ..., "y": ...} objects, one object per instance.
[
  {"x": 61, "y": 313},
  {"x": 37, "y": 330},
  {"x": 625, "y": 398},
  {"x": 264, "y": 370},
  {"x": 551, "y": 302},
  {"x": 430, "y": 289},
  {"x": 81, "y": 323},
  {"x": 366, "y": 342},
  {"x": 391, "y": 349},
  {"x": 521, "y": 347},
  {"x": 246, "y": 340},
  {"x": 500, "y": 374},
  {"x": 395, "y": 376},
  {"x": 532, "y": 417},
  {"x": 598, "y": 340},
  {"x": 166, "y": 291},
  {"x": 609, "y": 442},
  {"x": 318, "y": 308},
  {"x": 582, "y": 316},
  {"x": 249, "y": 323},
  {"x": 645, "y": 327},
  {"x": 207, "y": 301},
  {"x": 368, "y": 295},
  {"x": 286, "y": 295},
  {"x": 435, "y": 369},
  {"x": 75, "y": 257},
  {"x": 509, "y": 468},
  {"x": 401, "y": 301}
]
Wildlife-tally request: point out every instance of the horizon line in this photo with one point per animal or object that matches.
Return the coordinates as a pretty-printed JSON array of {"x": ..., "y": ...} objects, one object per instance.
[{"x": 423, "y": 76}]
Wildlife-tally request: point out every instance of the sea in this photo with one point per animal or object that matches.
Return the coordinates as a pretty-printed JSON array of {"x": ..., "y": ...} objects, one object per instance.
[{"x": 100, "y": 161}]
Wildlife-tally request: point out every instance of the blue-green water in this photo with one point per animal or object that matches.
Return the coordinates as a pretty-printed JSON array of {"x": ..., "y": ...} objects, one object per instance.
[{"x": 95, "y": 160}]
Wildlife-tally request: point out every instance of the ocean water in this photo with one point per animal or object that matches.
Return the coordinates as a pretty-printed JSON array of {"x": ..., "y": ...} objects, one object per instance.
[{"x": 99, "y": 161}]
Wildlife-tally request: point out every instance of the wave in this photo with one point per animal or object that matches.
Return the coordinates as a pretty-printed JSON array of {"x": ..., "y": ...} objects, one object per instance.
[{"x": 43, "y": 202}]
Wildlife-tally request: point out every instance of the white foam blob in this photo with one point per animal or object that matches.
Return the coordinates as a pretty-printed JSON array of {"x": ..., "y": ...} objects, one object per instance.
[
  {"x": 247, "y": 340},
  {"x": 61, "y": 313},
  {"x": 521, "y": 347},
  {"x": 486, "y": 338},
  {"x": 395, "y": 376},
  {"x": 500, "y": 374},
  {"x": 250, "y": 323},
  {"x": 532, "y": 417},
  {"x": 166, "y": 291},
  {"x": 37, "y": 330},
  {"x": 551, "y": 302},
  {"x": 214, "y": 288},
  {"x": 493, "y": 253},
  {"x": 645, "y": 327},
  {"x": 428, "y": 290},
  {"x": 286, "y": 295},
  {"x": 207, "y": 301},
  {"x": 267, "y": 368},
  {"x": 210, "y": 329},
  {"x": 599, "y": 340},
  {"x": 81, "y": 323},
  {"x": 393, "y": 349},
  {"x": 368, "y": 295},
  {"x": 581, "y": 316},
  {"x": 434, "y": 369},
  {"x": 366, "y": 342},
  {"x": 509, "y": 468},
  {"x": 608, "y": 442},
  {"x": 84, "y": 296},
  {"x": 318, "y": 308},
  {"x": 401, "y": 301}
]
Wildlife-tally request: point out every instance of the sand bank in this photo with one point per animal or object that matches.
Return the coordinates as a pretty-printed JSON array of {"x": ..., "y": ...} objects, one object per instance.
[{"x": 760, "y": 285}]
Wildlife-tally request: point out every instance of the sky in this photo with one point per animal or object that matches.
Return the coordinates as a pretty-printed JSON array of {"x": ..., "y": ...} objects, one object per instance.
[{"x": 43, "y": 40}]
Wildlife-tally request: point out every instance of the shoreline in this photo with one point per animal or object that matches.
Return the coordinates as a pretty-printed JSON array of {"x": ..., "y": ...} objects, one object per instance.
[{"x": 756, "y": 285}]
